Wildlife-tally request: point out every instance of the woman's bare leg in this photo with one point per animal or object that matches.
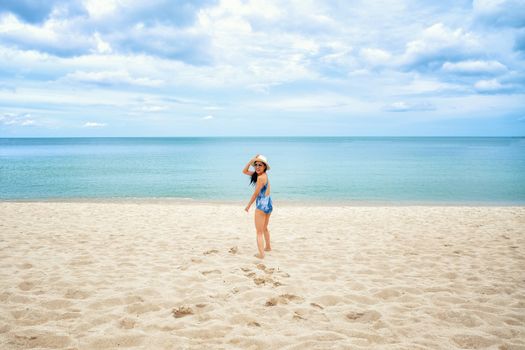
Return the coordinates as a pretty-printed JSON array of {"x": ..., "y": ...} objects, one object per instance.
[
  {"x": 267, "y": 247},
  {"x": 260, "y": 217}
]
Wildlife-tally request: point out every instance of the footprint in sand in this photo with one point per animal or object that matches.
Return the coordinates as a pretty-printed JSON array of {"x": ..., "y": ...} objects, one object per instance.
[
  {"x": 268, "y": 270},
  {"x": 387, "y": 293},
  {"x": 317, "y": 306},
  {"x": 266, "y": 280},
  {"x": 284, "y": 299},
  {"x": 127, "y": 323},
  {"x": 364, "y": 317},
  {"x": 76, "y": 294},
  {"x": 248, "y": 273},
  {"x": 182, "y": 311},
  {"x": 213, "y": 251},
  {"x": 297, "y": 316},
  {"x": 262, "y": 279},
  {"x": 275, "y": 301},
  {"x": 233, "y": 250},
  {"x": 293, "y": 298},
  {"x": 205, "y": 273},
  {"x": 259, "y": 280},
  {"x": 26, "y": 285}
]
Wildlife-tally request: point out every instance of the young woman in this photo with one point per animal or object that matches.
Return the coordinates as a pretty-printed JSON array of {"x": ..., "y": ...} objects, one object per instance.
[{"x": 263, "y": 201}]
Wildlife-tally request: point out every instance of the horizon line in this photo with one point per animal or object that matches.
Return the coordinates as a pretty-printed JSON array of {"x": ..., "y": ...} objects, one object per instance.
[{"x": 268, "y": 136}]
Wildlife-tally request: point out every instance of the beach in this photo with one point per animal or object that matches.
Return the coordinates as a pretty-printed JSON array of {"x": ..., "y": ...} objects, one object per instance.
[{"x": 182, "y": 275}]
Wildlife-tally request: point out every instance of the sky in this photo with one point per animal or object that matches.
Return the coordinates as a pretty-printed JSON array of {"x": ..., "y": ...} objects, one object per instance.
[{"x": 262, "y": 68}]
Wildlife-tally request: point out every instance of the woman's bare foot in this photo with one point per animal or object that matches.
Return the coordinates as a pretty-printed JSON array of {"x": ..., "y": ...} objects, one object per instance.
[
  {"x": 268, "y": 249},
  {"x": 259, "y": 256}
]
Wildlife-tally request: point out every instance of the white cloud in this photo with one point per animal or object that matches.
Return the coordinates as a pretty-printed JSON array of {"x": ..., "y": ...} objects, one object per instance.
[
  {"x": 421, "y": 84},
  {"x": 208, "y": 117},
  {"x": 474, "y": 67},
  {"x": 154, "y": 108},
  {"x": 505, "y": 13},
  {"x": 101, "y": 8},
  {"x": 111, "y": 78},
  {"x": 376, "y": 57},
  {"x": 55, "y": 36},
  {"x": 439, "y": 43},
  {"x": 258, "y": 58},
  {"x": 17, "y": 119},
  {"x": 337, "y": 52},
  {"x": 313, "y": 103},
  {"x": 93, "y": 125},
  {"x": 258, "y": 8},
  {"x": 402, "y": 106},
  {"x": 102, "y": 46},
  {"x": 491, "y": 85},
  {"x": 398, "y": 106}
]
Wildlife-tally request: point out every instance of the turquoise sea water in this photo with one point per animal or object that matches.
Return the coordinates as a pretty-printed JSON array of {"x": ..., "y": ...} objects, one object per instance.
[{"x": 384, "y": 169}]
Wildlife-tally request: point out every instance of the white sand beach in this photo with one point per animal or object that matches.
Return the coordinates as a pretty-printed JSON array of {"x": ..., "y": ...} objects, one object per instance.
[{"x": 167, "y": 275}]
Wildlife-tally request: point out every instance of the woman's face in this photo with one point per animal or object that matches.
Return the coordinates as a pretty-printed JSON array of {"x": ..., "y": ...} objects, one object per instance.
[{"x": 260, "y": 167}]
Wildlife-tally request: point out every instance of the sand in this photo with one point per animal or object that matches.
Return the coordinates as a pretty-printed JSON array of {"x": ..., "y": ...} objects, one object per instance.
[{"x": 167, "y": 275}]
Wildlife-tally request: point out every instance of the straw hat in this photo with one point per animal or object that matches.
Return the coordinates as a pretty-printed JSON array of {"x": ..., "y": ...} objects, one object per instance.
[{"x": 263, "y": 159}]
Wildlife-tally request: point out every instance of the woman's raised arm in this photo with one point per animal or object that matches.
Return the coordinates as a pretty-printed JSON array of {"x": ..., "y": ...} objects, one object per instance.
[{"x": 247, "y": 167}]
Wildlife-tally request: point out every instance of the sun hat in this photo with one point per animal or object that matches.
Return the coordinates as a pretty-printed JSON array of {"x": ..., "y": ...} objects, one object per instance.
[{"x": 263, "y": 159}]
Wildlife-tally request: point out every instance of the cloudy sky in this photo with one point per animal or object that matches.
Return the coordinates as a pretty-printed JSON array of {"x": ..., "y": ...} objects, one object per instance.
[{"x": 233, "y": 68}]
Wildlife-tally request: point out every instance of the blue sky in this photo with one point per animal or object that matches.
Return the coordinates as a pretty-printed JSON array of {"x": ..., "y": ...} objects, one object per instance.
[{"x": 249, "y": 68}]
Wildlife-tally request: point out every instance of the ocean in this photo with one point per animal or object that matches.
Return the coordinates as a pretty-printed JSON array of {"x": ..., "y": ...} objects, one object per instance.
[{"x": 482, "y": 170}]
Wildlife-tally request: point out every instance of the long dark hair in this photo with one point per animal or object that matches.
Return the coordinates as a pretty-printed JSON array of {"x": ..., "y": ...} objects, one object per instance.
[{"x": 253, "y": 179}]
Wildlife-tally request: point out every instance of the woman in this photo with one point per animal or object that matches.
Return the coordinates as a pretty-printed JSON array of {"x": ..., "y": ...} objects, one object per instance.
[{"x": 263, "y": 204}]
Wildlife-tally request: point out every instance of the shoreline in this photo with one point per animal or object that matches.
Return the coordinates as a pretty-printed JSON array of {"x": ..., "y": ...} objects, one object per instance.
[{"x": 283, "y": 203}]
